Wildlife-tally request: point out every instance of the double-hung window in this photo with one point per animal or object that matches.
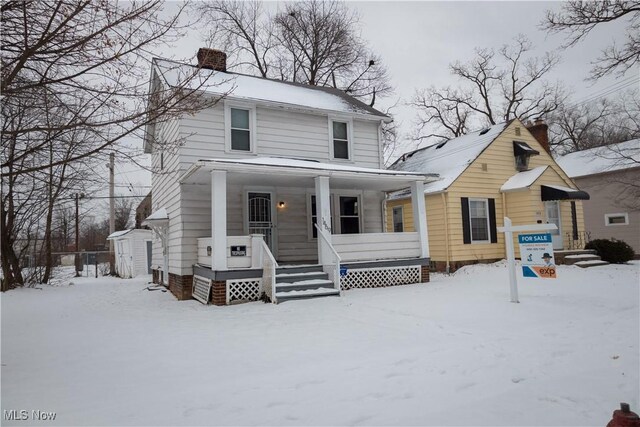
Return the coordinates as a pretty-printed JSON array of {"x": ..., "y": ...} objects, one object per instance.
[
  {"x": 340, "y": 136},
  {"x": 479, "y": 219},
  {"x": 240, "y": 129},
  {"x": 349, "y": 215}
]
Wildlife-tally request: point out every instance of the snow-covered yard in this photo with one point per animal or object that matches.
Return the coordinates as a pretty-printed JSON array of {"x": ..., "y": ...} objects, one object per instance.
[{"x": 450, "y": 352}]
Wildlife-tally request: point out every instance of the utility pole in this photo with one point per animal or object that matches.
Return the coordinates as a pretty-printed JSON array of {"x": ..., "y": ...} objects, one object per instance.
[{"x": 112, "y": 213}]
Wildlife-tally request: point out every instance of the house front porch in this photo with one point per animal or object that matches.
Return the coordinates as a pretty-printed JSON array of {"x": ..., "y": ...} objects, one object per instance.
[{"x": 285, "y": 229}]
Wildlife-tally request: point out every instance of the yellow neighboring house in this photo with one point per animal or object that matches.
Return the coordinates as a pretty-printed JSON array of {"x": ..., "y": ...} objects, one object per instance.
[{"x": 484, "y": 176}]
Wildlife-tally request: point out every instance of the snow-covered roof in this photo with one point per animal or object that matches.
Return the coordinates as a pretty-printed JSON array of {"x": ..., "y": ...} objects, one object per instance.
[
  {"x": 275, "y": 171},
  {"x": 523, "y": 180},
  {"x": 159, "y": 215},
  {"x": 448, "y": 159},
  {"x": 615, "y": 157},
  {"x": 120, "y": 233},
  {"x": 246, "y": 87},
  {"x": 311, "y": 164}
]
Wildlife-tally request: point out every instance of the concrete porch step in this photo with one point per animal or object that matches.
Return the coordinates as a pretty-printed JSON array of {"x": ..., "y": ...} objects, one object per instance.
[
  {"x": 304, "y": 285},
  {"x": 297, "y": 277},
  {"x": 572, "y": 259},
  {"x": 290, "y": 269},
  {"x": 561, "y": 256},
  {"x": 306, "y": 294},
  {"x": 592, "y": 263}
]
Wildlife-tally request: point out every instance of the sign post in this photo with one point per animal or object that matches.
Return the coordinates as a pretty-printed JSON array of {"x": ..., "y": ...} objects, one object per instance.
[{"x": 508, "y": 231}]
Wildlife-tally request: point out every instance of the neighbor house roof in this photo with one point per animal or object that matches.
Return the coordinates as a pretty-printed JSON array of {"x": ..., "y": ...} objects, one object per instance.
[
  {"x": 614, "y": 157},
  {"x": 246, "y": 87},
  {"x": 448, "y": 159}
]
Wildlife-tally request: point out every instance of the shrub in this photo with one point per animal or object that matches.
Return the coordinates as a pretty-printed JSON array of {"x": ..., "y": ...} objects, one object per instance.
[{"x": 613, "y": 251}]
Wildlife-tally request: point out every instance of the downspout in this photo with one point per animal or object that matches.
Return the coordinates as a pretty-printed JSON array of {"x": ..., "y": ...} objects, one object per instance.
[
  {"x": 505, "y": 214},
  {"x": 446, "y": 230}
]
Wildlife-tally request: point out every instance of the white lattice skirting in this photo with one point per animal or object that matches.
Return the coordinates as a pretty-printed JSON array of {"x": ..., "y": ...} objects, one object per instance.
[
  {"x": 243, "y": 289},
  {"x": 201, "y": 289},
  {"x": 378, "y": 277}
]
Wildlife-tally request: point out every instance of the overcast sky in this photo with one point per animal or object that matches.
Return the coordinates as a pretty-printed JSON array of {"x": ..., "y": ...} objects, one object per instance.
[{"x": 418, "y": 40}]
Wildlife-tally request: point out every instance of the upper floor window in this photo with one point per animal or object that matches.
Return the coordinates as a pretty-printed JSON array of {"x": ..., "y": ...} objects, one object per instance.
[
  {"x": 240, "y": 130},
  {"x": 340, "y": 140},
  {"x": 240, "y": 133}
]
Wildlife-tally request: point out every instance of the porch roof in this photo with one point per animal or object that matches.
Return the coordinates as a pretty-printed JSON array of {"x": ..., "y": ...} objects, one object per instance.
[{"x": 300, "y": 173}]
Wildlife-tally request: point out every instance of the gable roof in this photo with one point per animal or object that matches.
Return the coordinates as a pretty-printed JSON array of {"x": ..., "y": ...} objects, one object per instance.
[
  {"x": 247, "y": 87},
  {"x": 448, "y": 159},
  {"x": 611, "y": 158}
]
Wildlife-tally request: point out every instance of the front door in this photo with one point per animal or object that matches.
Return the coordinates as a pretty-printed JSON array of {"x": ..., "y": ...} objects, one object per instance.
[
  {"x": 552, "y": 215},
  {"x": 260, "y": 217}
]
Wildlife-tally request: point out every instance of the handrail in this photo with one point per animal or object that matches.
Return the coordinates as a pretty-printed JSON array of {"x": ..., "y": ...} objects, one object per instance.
[
  {"x": 336, "y": 258},
  {"x": 269, "y": 266}
]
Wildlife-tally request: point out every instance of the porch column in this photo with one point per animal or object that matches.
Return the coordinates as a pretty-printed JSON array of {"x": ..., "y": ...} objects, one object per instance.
[
  {"x": 323, "y": 215},
  {"x": 420, "y": 216},
  {"x": 218, "y": 220}
]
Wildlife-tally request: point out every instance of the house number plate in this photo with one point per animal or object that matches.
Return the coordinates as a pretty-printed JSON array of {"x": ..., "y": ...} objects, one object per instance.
[{"x": 238, "y": 251}]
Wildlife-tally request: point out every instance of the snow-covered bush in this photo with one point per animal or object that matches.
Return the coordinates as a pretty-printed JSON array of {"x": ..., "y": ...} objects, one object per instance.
[{"x": 613, "y": 251}]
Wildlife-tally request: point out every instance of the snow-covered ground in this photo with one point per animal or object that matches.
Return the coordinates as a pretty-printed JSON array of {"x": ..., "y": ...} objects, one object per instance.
[{"x": 452, "y": 352}]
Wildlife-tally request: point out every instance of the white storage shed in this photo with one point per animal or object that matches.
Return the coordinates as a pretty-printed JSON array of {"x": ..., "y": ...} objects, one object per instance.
[{"x": 133, "y": 252}]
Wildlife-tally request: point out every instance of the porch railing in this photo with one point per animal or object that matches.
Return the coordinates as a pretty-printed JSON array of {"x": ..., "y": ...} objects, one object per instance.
[
  {"x": 332, "y": 269},
  {"x": 269, "y": 266},
  {"x": 375, "y": 246}
]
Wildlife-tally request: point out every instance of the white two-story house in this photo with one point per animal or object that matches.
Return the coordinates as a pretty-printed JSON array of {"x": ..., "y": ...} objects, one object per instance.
[{"x": 276, "y": 191}]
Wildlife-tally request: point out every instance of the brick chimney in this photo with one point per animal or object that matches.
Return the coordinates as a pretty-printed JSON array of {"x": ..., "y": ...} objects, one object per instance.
[
  {"x": 212, "y": 59},
  {"x": 540, "y": 132}
]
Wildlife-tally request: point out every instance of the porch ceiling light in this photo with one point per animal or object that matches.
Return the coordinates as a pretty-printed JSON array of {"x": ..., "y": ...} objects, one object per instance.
[{"x": 281, "y": 204}]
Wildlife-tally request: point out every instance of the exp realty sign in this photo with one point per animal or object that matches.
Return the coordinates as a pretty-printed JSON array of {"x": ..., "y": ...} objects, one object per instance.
[{"x": 536, "y": 253}]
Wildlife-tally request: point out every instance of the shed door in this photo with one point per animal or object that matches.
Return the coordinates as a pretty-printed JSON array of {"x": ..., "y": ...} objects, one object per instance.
[{"x": 149, "y": 255}]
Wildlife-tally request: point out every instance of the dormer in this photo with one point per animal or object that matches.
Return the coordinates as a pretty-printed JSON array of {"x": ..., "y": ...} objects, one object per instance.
[{"x": 521, "y": 152}]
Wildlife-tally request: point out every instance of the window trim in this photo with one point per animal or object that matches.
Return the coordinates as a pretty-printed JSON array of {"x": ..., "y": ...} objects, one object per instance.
[
  {"x": 612, "y": 215},
  {"x": 349, "y": 122},
  {"x": 486, "y": 204},
  {"x": 393, "y": 224},
  {"x": 334, "y": 201},
  {"x": 252, "y": 127}
]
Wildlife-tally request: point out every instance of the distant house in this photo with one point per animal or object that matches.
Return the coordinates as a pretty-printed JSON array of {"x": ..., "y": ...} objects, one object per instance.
[
  {"x": 277, "y": 190},
  {"x": 611, "y": 175},
  {"x": 143, "y": 211},
  {"x": 484, "y": 176}
]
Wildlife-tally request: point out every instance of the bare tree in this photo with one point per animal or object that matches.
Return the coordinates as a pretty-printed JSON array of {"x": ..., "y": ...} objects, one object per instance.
[
  {"x": 74, "y": 83},
  {"x": 124, "y": 208},
  {"x": 310, "y": 42},
  {"x": 244, "y": 29},
  {"x": 579, "y": 18},
  {"x": 493, "y": 88},
  {"x": 576, "y": 127}
]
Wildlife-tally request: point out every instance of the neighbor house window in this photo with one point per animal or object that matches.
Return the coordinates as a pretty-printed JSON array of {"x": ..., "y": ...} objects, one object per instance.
[
  {"x": 479, "y": 219},
  {"x": 398, "y": 223},
  {"x": 240, "y": 129},
  {"x": 616, "y": 219},
  {"x": 340, "y": 135}
]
